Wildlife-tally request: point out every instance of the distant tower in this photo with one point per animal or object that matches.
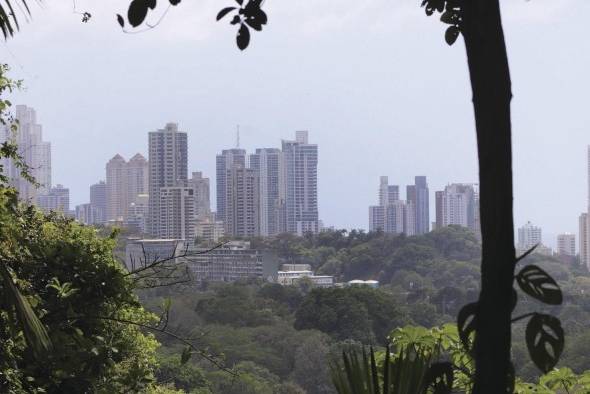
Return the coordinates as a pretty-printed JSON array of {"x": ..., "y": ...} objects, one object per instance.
[
  {"x": 225, "y": 161},
  {"x": 269, "y": 166},
  {"x": 301, "y": 169},
  {"x": 98, "y": 201},
  {"x": 242, "y": 202},
  {"x": 529, "y": 236},
  {"x": 35, "y": 152},
  {"x": 168, "y": 167},
  {"x": 117, "y": 198}
]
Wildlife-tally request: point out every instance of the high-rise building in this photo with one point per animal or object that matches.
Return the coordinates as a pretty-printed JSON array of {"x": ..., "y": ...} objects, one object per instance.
[
  {"x": 137, "y": 213},
  {"x": 168, "y": 166},
  {"x": 125, "y": 181},
  {"x": 584, "y": 237},
  {"x": 201, "y": 187},
  {"x": 392, "y": 215},
  {"x": 208, "y": 229},
  {"x": 116, "y": 176},
  {"x": 457, "y": 204},
  {"x": 137, "y": 178},
  {"x": 242, "y": 217},
  {"x": 177, "y": 213},
  {"x": 421, "y": 205},
  {"x": 56, "y": 199},
  {"x": 35, "y": 153},
  {"x": 529, "y": 235},
  {"x": 269, "y": 166},
  {"x": 566, "y": 244},
  {"x": 301, "y": 197},
  {"x": 98, "y": 201},
  {"x": 228, "y": 159},
  {"x": 86, "y": 214}
]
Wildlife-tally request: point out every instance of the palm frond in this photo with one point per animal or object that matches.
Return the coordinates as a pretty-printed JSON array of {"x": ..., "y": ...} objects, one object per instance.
[
  {"x": 34, "y": 331},
  {"x": 8, "y": 18}
]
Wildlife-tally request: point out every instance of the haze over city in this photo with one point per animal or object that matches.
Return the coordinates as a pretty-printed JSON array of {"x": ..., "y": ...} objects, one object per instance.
[{"x": 393, "y": 101}]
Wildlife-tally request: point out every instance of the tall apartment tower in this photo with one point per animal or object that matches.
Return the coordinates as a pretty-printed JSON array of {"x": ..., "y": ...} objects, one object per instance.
[
  {"x": 177, "y": 213},
  {"x": 301, "y": 169},
  {"x": 228, "y": 159},
  {"x": 566, "y": 244},
  {"x": 269, "y": 166},
  {"x": 98, "y": 201},
  {"x": 56, "y": 199},
  {"x": 201, "y": 188},
  {"x": 458, "y": 205},
  {"x": 584, "y": 221},
  {"x": 418, "y": 196},
  {"x": 167, "y": 167},
  {"x": 116, "y": 185},
  {"x": 392, "y": 215},
  {"x": 242, "y": 218},
  {"x": 137, "y": 177},
  {"x": 35, "y": 152},
  {"x": 529, "y": 236},
  {"x": 584, "y": 235}
]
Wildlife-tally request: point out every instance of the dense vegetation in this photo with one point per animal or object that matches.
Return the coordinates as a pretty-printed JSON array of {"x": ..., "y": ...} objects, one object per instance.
[{"x": 281, "y": 338}]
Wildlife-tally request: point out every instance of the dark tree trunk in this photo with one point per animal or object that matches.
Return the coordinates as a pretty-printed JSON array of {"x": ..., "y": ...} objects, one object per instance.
[{"x": 490, "y": 82}]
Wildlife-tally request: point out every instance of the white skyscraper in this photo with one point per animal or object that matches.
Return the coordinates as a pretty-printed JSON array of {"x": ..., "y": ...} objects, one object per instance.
[
  {"x": 458, "y": 205},
  {"x": 224, "y": 162},
  {"x": 56, "y": 199},
  {"x": 125, "y": 181},
  {"x": 167, "y": 168},
  {"x": 566, "y": 244},
  {"x": 301, "y": 169},
  {"x": 529, "y": 236},
  {"x": 35, "y": 152},
  {"x": 201, "y": 187},
  {"x": 392, "y": 215},
  {"x": 177, "y": 213},
  {"x": 242, "y": 217}
]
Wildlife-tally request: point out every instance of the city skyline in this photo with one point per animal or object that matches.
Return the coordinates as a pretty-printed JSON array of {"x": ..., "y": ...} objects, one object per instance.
[
  {"x": 374, "y": 105},
  {"x": 550, "y": 240}
]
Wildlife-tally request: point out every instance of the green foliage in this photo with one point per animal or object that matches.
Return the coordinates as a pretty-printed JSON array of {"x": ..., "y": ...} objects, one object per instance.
[{"x": 358, "y": 313}]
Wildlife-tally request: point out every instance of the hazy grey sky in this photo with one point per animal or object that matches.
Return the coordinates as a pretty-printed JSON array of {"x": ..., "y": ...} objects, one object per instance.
[{"x": 373, "y": 81}]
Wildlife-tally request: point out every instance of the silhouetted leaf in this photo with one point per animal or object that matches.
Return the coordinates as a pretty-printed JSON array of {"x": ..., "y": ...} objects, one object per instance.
[
  {"x": 235, "y": 20},
  {"x": 174, "y": 2},
  {"x": 545, "y": 341},
  {"x": 239, "y": 2},
  {"x": 448, "y": 17},
  {"x": 243, "y": 37},
  {"x": 466, "y": 321},
  {"x": 186, "y": 355},
  {"x": 121, "y": 21},
  {"x": 440, "y": 378},
  {"x": 253, "y": 15},
  {"x": 539, "y": 284},
  {"x": 138, "y": 11},
  {"x": 451, "y": 35},
  {"x": 224, "y": 12}
]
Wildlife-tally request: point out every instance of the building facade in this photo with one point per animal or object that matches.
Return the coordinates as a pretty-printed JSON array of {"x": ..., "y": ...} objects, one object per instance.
[
  {"x": 268, "y": 163},
  {"x": 35, "y": 153},
  {"x": 177, "y": 213},
  {"x": 98, "y": 201},
  {"x": 57, "y": 199},
  {"x": 228, "y": 159},
  {"x": 566, "y": 244},
  {"x": 529, "y": 235},
  {"x": 231, "y": 262},
  {"x": 167, "y": 167},
  {"x": 242, "y": 215},
  {"x": 458, "y": 204},
  {"x": 301, "y": 196}
]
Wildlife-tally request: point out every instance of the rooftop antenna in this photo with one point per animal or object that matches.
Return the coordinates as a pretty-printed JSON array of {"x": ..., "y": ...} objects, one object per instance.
[{"x": 237, "y": 136}]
